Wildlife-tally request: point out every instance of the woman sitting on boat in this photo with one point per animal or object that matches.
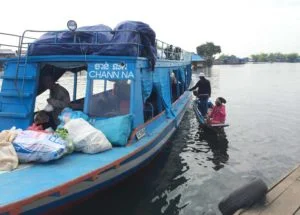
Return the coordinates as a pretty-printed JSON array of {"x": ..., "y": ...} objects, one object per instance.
[{"x": 218, "y": 113}]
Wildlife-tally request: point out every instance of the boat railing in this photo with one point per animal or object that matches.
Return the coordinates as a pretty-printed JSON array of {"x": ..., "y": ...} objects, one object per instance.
[
  {"x": 13, "y": 41},
  {"x": 21, "y": 43}
]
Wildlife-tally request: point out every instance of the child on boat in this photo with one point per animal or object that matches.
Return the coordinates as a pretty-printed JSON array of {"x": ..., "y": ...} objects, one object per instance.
[
  {"x": 42, "y": 122},
  {"x": 218, "y": 113}
]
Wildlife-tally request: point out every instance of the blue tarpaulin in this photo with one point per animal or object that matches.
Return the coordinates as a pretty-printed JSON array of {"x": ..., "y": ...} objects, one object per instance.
[
  {"x": 129, "y": 38},
  {"x": 196, "y": 57},
  {"x": 147, "y": 84},
  {"x": 161, "y": 83},
  {"x": 67, "y": 42}
]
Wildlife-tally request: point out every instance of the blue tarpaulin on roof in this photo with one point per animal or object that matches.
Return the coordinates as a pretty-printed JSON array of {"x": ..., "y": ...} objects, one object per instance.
[
  {"x": 196, "y": 57},
  {"x": 129, "y": 38}
]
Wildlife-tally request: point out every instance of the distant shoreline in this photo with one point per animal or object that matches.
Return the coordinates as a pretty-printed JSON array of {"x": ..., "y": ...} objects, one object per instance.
[{"x": 252, "y": 63}]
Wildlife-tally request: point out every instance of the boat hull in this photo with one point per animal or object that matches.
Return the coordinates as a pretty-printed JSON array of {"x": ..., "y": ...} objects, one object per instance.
[{"x": 108, "y": 177}]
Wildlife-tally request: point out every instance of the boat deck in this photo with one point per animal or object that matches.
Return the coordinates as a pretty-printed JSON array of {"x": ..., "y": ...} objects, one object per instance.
[
  {"x": 59, "y": 178},
  {"x": 282, "y": 198},
  {"x": 40, "y": 178}
]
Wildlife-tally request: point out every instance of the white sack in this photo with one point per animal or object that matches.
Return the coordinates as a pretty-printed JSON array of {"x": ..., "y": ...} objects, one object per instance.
[
  {"x": 85, "y": 137},
  {"x": 38, "y": 146},
  {"x": 8, "y": 155}
]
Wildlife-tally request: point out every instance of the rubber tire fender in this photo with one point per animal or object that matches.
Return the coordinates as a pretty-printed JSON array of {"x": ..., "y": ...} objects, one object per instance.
[{"x": 243, "y": 197}]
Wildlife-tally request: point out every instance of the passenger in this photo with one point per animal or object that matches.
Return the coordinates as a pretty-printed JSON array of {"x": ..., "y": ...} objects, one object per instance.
[
  {"x": 169, "y": 52},
  {"x": 173, "y": 78},
  {"x": 122, "y": 89},
  {"x": 173, "y": 86},
  {"x": 122, "y": 92},
  {"x": 194, "y": 67},
  {"x": 42, "y": 121},
  {"x": 177, "y": 53},
  {"x": 59, "y": 98},
  {"x": 204, "y": 92},
  {"x": 218, "y": 113}
]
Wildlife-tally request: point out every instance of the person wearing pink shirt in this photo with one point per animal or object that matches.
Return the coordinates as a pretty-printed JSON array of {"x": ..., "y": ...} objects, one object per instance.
[{"x": 218, "y": 113}]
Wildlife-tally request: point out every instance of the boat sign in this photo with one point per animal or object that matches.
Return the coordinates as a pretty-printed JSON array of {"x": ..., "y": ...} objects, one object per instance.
[
  {"x": 110, "y": 71},
  {"x": 140, "y": 133}
]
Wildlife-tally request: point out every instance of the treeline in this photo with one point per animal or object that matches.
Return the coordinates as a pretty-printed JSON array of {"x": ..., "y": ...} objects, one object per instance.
[
  {"x": 230, "y": 59},
  {"x": 275, "y": 57},
  {"x": 226, "y": 57}
]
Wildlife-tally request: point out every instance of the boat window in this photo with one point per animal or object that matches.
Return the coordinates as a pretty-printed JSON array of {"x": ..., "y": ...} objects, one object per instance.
[
  {"x": 1, "y": 74},
  {"x": 182, "y": 80},
  {"x": 66, "y": 79},
  {"x": 109, "y": 98},
  {"x": 153, "y": 105},
  {"x": 174, "y": 87},
  {"x": 77, "y": 93},
  {"x": 177, "y": 81}
]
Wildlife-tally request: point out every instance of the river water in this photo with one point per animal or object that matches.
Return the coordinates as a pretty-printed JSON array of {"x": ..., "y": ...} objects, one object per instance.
[{"x": 197, "y": 169}]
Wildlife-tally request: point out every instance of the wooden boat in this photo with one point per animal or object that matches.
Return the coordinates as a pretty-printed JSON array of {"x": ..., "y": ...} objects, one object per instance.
[
  {"x": 155, "y": 103},
  {"x": 202, "y": 121}
]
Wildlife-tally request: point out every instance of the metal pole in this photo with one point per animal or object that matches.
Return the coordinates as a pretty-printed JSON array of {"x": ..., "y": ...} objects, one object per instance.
[{"x": 75, "y": 87}]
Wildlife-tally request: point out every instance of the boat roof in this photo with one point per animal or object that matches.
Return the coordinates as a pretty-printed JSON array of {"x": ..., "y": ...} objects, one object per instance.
[
  {"x": 129, "y": 38},
  {"x": 196, "y": 57}
]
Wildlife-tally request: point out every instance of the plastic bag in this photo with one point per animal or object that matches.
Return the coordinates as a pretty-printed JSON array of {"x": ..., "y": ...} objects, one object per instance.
[
  {"x": 38, "y": 146},
  {"x": 86, "y": 138},
  {"x": 8, "y": 155},
  {"x": 64, "y": 134},
  {"x": 67, "y": 114}
]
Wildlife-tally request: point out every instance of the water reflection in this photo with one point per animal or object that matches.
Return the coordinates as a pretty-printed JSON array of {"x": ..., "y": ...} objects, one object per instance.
[
  {"x": 204, "y": 146},
  {"x": 217, "y": 143}
]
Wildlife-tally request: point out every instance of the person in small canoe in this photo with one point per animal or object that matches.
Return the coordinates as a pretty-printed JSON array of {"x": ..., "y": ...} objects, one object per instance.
[
  {"x": 218, "y": 113},
  {"x": 204, "y": 92}
]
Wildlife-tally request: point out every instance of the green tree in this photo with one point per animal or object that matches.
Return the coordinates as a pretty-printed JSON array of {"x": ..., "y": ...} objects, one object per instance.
[
  {"x": 275, "y": 57},
  {"x": 222, "y": 58},
  {"x": 263, "y": 57},
  {"x": 208, "y": 50},
  {"x": 292, "y": 57},
  {"x": 280, "y": 57},
  {"x": 272, "y": 57},
  {"x": 254, "y": 57}
]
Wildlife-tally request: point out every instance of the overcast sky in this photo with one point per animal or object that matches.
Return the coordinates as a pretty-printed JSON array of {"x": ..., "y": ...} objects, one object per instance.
[{"x": 240, "y": 27}]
